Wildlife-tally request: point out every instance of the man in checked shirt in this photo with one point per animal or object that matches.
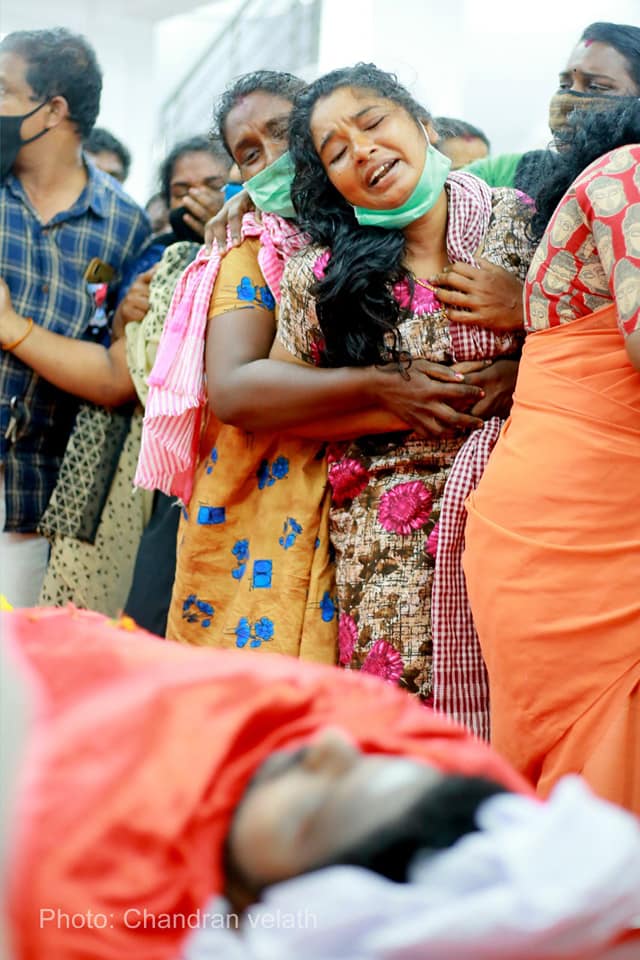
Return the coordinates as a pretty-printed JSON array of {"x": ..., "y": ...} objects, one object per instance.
[{"x": 64, "y": 228}]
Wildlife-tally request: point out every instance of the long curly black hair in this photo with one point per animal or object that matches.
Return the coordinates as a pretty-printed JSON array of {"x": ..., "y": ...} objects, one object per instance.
[
  {"x": 354, "y": 301},
  {"x": 588, "y": 135}
]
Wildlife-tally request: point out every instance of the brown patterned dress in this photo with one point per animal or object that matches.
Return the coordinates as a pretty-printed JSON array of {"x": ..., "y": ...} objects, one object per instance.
[{"x": 387, "y": 489}]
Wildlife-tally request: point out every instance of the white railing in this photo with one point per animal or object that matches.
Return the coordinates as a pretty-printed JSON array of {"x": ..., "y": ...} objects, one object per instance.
[{"x": 263, "y": 34}]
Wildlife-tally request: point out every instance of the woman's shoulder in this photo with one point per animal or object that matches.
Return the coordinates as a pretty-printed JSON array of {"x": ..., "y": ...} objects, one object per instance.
[
  {"x": 508, "y": 241},
  {"x": 307, "y": 266},
  {"x": 508, "y": 201},
  {"x": 607, "y": 185},
  {"x": 620, "y": 164}
]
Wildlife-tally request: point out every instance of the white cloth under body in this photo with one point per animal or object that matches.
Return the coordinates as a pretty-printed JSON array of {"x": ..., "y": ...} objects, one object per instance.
[{"x": 552, "y": 881}]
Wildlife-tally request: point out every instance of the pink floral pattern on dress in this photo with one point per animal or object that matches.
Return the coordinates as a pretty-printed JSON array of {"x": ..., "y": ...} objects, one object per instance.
[
  {"x": 347, "y": 638},
  {"x": 405, "y": 507},
  {"x": 431, "y": 545},
  {"x": 383, "y": 661},
  {"x": 423, "y": 301},
  {"x": 320, "y": 266},
  {"x": 348, "y": 478},
  {"x": 316, "y": 350}
]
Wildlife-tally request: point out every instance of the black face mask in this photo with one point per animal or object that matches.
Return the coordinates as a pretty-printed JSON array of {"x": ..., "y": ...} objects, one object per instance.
[
  {"x": 11, "y": 141},
  {"x": 182, "y": 230}
]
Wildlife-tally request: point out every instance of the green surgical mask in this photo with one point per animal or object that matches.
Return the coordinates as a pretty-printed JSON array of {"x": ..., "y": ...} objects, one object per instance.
[
  {"x": 428, "y": 189},
  {"x": 270, "y": 189}
]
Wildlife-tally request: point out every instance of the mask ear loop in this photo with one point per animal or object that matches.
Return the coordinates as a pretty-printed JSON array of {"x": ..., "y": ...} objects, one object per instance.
[{"x": 31, "y": 114}]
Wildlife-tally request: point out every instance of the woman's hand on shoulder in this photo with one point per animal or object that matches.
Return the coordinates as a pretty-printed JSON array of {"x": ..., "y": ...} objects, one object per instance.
[
  {"x": 489, "y": 296},
  {"x": 230, "y": 216},
  {"x": 431, "y": 398}
]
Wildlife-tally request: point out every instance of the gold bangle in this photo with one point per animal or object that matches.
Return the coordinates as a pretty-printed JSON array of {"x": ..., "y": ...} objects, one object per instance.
[{"x": 16, "y": 343}]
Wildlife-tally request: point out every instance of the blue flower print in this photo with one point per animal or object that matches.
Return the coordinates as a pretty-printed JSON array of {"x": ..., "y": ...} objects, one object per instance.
[
  {"x": 213, "y": 458},
  {"x": 185, "y": 512},
  {"x": 267, "y": 474},
  {"x": 263, "y": 474},
  {"x": 199, "y": 611},
  {"x": 255, "y": 635},
  {"x": 267, "y": 298},
  {"x": 261, "y": 632},
  {"x": 317, "y": 543},
  {"x": 242, "y": 632},
  {"x": 328, "y": 607},
  {"x": 263, "y": 629},
  {"x": 280, "y": 468},
  {"x": 191, "y": 599},
  {"x": 290, "y": 531},
  {"x": 240, "y": 551},
  {"x": 245, "y": 289}
]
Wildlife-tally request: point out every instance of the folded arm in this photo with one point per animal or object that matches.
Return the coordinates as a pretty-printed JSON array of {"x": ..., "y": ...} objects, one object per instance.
[
  {"x": 254, "y": 391},
  {"x": 256, "y": 384}
]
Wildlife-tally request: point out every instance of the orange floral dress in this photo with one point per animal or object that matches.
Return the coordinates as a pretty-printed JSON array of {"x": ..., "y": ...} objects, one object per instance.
[{"x": 253, "y": 566}]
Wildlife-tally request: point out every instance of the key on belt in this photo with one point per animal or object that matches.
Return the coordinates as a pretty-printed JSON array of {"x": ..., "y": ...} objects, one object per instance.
[{"x": 11, "y": 433}]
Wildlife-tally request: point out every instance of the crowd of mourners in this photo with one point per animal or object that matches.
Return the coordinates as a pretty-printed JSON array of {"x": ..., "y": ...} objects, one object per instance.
[{"x": 355, "y": 391}]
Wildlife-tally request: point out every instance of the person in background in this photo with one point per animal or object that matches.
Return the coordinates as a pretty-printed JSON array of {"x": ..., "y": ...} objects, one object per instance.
[
  {"x": 604, "y": 66},
  {"x": 193, "y": 178},
  {"x": 108, "y": 153},
  {"x": 552, "y": 555},
  {"x": 66, "y": 230},
  {"x": 157, "y": 209},
  {"x": 460, "y": 141},
  {"x": 191, "y": 186},
  {"x": 97, "y": 572}
]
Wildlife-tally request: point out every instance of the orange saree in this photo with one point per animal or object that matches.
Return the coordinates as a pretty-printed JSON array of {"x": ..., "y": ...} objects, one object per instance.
[{"x": 552, "y": 563}]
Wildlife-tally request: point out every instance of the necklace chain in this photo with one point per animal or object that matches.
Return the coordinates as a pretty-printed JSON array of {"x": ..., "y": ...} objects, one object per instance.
[{"x": 426, "y": 285}]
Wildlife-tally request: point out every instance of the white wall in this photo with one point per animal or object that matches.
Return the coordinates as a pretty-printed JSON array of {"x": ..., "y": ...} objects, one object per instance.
[
  {"x": 124, "y": 47},
  {"x": 490, "y": 62}
]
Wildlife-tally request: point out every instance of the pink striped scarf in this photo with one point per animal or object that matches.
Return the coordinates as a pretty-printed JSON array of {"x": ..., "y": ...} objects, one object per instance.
[
  {"x": 460, "y": 682},
  {"x": 177, "y": 389}
]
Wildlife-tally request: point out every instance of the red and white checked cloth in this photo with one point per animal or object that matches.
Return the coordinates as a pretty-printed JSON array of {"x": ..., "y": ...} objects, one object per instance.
[
  {"x": 177, "y": 394},
  {"x": 460, "y": 683}
]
